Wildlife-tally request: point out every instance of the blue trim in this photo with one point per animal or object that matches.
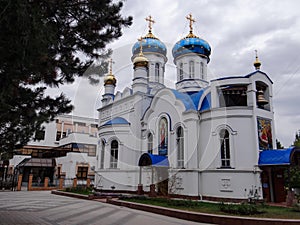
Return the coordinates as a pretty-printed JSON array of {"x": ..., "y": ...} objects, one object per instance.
[
  {"x": 116, "y": 120},
  {"x": 154, "y": 160},
  {"x": 275, "y": 157}
]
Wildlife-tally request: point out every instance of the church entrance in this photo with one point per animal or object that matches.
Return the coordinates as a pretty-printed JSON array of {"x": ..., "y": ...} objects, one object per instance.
[
  {"x": 160, "y": 172},
  {"x": 163, "y": 180}
]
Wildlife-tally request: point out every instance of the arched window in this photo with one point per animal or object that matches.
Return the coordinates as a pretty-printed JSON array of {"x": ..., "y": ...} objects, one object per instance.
[
  {"x": 180, "y": 147},
  {"x": 163, "y": 136},
  {"x": 114, "y": 154},
  {"x": 225, "y": 148},
  {"x": 157, "y": 72},
  {"x": 180, "y": 71},
  {"x": 150, "y": 143},
  {"x": 102, "y": 154},
  {"x": 202, "y": 70},
  {"x": 192, "y": 69}
]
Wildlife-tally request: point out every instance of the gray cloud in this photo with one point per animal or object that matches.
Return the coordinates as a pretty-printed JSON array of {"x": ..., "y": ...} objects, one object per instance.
[{"x": 234, "y": 30}]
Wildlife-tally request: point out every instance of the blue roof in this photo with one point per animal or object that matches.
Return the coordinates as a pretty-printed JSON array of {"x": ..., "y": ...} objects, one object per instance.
[
  {"x": 275, "y": 157},
  {"x": 150, "y": 45},
  {"x": 148, "y": 159},
  {"x": 206, "y": 103},
  {"x": 116, "y": 120},
  {"x": 191, "y": 45},
  {"x": 185, "y": 99}
]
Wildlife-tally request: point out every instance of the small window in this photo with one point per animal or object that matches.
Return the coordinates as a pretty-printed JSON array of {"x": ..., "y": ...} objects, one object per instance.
[
  {"x": 157, "y": 72},
  {"x": 102, "y": 154},
  {"x": 191, "y": 69},
  {"x": 202, "y": 70},
  {"x": 225, "y": 148},
  {"x": 180, "y": 71},
  {"x": 150, "y": 143},
  {"x": 82, "y": 172},
  {"x": 114, "y": 154},
  {"x": 180, "y": 147}
]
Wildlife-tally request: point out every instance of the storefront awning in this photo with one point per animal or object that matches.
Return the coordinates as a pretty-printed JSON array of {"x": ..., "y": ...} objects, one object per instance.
[
  {"x": 275, "y": 157},
  {"x": 148, "y": 159},
  {"x": 37, "y": 162}
]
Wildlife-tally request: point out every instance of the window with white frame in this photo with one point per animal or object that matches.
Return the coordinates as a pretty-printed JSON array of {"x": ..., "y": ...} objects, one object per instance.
[
  {"x": 225, "y": 148},
  {"x": 150, "y": 143},
  {"x": 157, "y": 72},
  {"x": 202, "y": 70},
  {"x": 114, "y": 154},
  {"x": 102, "y": 154},
  {"x": 191, "y": 69},
  {"x": 180, "y": 147},
  {"x": 180, "y": 71}
]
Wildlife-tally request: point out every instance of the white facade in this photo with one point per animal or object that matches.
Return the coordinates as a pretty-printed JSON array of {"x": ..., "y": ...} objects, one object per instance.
[
  {"x": 208, "y": 131},
  {"x": 70, "y": 140}
]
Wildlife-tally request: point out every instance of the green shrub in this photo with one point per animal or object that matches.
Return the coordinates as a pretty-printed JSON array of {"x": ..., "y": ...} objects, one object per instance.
[
  {"x": 296, "y": 207},
  {"x": 240, "y": 209}
]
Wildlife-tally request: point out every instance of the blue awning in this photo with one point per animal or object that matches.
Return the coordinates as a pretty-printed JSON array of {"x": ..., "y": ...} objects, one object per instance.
[
  {"x": 148, "y": 159},
  {"x": 275, "y": 157}
]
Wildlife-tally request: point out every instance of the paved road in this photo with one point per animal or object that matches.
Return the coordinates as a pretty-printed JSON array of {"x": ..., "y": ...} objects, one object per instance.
[{"x": 42, "y": 207}]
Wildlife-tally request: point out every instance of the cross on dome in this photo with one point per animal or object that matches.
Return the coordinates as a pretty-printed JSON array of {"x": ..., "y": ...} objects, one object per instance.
[
  {"x": 110, "y": 61},
  {"x": 191, "y": 21},
  {"x": 151, "y": 22}
]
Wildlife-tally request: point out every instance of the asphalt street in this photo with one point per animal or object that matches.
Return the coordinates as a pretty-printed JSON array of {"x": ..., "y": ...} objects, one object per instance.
[{"x": 42, "y": 207}]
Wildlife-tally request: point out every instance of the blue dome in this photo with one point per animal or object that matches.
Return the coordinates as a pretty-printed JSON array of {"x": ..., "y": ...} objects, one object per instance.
[
  {"x": 191, "y": 45},
  {"x": 150, "y": 45}
]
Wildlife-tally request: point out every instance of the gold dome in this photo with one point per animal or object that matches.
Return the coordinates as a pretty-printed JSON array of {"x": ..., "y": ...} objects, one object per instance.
[
  {"x": 140, "y": 60},
  {"x": 110, "y": 78}
]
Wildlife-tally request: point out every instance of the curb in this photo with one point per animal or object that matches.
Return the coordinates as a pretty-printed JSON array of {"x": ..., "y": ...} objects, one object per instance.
[
  {"x": 73, "y": 195},
  {"x": 203, "y": 217}
]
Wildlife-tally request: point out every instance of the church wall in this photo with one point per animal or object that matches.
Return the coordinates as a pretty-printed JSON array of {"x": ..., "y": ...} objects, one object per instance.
[{"x": 237, "y": 184}]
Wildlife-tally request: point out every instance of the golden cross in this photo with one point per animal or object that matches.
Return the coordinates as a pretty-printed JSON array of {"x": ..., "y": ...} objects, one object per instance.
[
  {"x": 192, "y": 20},
  {"x": 110, "y": 61},
  {"x": 256, "y": 54},
  {"x": 151, "y": 21},
  {"x": 141, "y": 40}
]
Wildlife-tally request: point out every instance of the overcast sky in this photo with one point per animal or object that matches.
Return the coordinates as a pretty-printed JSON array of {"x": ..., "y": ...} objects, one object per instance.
[{"x": 234, "y": 29}]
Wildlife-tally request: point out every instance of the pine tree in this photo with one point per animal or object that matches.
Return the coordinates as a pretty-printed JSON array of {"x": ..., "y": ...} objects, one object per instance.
[
  {"x": 47, "y": 43},
  {"x": 297, "y": 140}
]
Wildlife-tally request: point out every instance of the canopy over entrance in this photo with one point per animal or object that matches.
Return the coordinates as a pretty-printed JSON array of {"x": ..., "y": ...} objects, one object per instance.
[
  {"x": 148, "y": 159},
  {"x": 37, "y": 162},
  {"x": 277, "y": 157}
]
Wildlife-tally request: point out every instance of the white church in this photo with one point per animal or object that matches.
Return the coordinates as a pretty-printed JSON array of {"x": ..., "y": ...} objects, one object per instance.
[{"x": 201, "y": 139}]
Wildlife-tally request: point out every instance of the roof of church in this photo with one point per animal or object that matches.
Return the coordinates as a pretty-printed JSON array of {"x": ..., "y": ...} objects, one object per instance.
[
  {"x": 246, "y": 76},
  {"x": 185, "y": 99},
  {"x": 116, "y": 120},
  {"x": 191, "y": 101},
  {"x": 191, "y": 45},
  {"x": 150, "y": 45}
]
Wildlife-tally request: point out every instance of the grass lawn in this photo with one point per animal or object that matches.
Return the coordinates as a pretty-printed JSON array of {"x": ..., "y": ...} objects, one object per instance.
[
  {"x": 80, "y": 190},
  {"x": 265, "y": 211}
]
